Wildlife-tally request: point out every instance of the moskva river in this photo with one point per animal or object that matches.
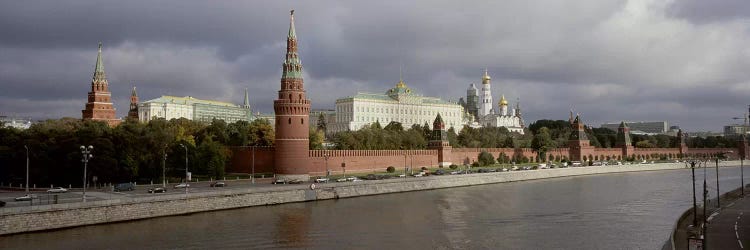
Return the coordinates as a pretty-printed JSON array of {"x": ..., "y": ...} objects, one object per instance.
[{"x": 614, "y": 211}]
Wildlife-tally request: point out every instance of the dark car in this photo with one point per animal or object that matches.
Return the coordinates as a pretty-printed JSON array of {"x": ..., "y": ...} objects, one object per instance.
[
  {"x": 296, "y": 181},
  {"x": 2, "y": 203},
  {"x": 157, "y": 190},
  {"x": 218, "y": 184},
  {"x": 124, "y": 187},
  {"x": 439, "y": 172}
]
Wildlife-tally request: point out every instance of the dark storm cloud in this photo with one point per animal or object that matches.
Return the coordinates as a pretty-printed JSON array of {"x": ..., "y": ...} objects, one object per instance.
[
  {"x": 701, "y": 11},
  {"x": 610, "y": 60}
]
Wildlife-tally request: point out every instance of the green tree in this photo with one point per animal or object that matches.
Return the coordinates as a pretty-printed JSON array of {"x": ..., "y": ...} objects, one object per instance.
[
  {"x": 542, "y": 142},
  {"x": 486, "y": 158}
]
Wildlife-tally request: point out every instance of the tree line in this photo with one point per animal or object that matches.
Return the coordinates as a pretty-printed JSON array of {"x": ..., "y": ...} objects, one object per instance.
[{"x": 132, "y": 151}]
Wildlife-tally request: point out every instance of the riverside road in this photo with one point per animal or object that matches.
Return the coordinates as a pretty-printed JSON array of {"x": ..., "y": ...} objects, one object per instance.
[{"x": 611, "y": 211}]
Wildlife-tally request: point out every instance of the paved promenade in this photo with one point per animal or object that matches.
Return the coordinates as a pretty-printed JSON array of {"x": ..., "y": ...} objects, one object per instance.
[{"x": 729, "y": 228}]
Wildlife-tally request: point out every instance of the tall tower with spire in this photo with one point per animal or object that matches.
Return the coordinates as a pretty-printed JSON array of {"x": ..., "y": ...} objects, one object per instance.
[
  {"x": 133, "y": 112},
  {"x": 99, "y": 105},
  {"x": 246, "y": 103},
  {"x": 485, "y": 107},
  {"x": 292, "y": 110}
]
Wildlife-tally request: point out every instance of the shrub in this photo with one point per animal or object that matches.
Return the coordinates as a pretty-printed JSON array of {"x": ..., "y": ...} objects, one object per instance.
[
  {"x": 390, "y": 169},
  {"x": 475, "y": 164},
  {"x": 486, "y": 158},
  {"x": 453, "y": 166},
  {"x": 424, "y": 168}
]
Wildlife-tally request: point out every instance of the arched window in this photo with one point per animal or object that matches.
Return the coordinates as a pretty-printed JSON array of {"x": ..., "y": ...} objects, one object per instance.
[
  {"x": 302, "y": 120},
  {"x": 290, "y": 96},
  {"x": 300, "y": 97},
  {"x": 290, "y": 120}
]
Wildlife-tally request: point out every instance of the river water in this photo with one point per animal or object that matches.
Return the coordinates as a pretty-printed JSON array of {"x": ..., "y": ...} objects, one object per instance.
[{"x": 614, "y": 211}]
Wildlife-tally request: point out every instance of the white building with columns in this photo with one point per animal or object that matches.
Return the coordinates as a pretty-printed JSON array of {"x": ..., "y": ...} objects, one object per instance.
[{"x": 398, "y": 104}]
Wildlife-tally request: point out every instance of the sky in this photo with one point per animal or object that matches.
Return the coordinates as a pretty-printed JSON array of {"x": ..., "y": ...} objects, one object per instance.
[{"x": 686, "y": 62}]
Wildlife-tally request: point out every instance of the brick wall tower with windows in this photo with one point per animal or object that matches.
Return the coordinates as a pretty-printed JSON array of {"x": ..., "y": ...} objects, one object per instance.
[
  {"x": 623, "y": 140},
  {"x": 439, "y": 142},
  {"x": 580, "y": 148},
  {"x": 292, "y": 110},
  {"x": 133, "y": 112},
  {"x": 99, "y": 105}
]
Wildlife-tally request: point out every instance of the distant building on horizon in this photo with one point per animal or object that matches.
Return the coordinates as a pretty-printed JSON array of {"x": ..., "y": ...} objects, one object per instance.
[
  {"x": 660, "y": 127},
  {"x": 173, "y": 107},
  {"x": 16, "y": 122}
]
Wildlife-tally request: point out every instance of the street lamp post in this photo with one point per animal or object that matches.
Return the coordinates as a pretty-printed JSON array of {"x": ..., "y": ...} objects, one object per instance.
[
  {"x": 186, "y": 169},
  {"x": 252, "y": 168},
  {"x": 164, "y": 169},
  {"x": 718, "y": 194},
  {"x": 695, "y": 204},
  {"x": 27, "y": 168},
  {"x": 742, "y": 175},
  {"x": 86, "y": 152}
]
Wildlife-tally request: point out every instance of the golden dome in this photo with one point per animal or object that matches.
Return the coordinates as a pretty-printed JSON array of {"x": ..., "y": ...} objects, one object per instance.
[
  {"x": 401, "y": 84},
  {"x": 503, "y": 102},
  {"x": 486, "y": 76}
]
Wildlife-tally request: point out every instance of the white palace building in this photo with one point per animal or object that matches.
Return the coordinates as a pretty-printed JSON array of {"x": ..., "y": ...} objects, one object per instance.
[{"x": 398, "y": 104}]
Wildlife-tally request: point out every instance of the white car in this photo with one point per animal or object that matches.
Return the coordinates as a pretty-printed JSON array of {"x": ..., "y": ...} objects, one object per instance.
[
  {"x": 319, "y": 180},
  {"x": 27, "y": 197},
  {"x": 182, "y": 185},
  {"x": 341, "y": 180},
  {"x": 57, "y": 190}
]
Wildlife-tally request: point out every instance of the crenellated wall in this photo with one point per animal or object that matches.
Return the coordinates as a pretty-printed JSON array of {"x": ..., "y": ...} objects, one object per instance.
[{"x": 378, "y": 160}]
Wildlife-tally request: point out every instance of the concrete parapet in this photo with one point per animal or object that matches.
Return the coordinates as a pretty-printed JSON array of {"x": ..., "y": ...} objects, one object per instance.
[{"x": 45, "y": 217}]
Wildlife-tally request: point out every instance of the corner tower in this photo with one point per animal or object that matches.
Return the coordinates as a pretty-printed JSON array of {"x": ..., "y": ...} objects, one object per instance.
[
  {"x": 292, "y": 110},
  {"x": 99, "y": 105}
]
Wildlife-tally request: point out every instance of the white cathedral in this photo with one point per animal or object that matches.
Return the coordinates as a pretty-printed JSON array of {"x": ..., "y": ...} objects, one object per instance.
[{"x": 480, "y": 107}]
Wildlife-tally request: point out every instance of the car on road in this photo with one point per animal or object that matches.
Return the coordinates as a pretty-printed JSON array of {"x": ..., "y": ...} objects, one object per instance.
[
  {"x": 295, "y": 181},
  {"x": 182, "y": 185},
  {"x": 439, "y": 172},
  {"x": 27, "y": 197},
  {"x": 2, "y": 203},
  {"x": 124, "y": 187},
  {"x": 218, "y": 184},
  {"x": 321, "y": 179},
  {"x": 57, "y": 190},
  {"x": 341, "y": 180},
  {"x": 279, "y": 181},
  {"x": 157, "y": 190}
]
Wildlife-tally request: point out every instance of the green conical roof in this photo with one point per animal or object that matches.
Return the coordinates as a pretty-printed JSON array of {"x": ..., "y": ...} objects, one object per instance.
[{"x": 99, "y": 63}]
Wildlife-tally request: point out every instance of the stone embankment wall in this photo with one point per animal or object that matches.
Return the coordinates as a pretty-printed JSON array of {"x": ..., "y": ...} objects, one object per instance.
[{"x": 45, "y": 217}]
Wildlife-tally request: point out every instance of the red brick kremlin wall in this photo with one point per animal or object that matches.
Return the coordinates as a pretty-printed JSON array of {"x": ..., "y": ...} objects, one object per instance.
[{"x": 379, "y": 160}]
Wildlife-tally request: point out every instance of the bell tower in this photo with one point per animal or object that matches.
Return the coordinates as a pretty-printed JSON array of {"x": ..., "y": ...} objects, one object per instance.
[{"x": 292, "y": 110}]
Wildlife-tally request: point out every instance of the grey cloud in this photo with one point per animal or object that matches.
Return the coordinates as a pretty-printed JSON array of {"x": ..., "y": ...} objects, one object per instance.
[{"x": 611, "y": 60}]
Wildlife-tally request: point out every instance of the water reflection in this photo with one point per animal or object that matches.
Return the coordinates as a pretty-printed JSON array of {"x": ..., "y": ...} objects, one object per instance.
[{"x": 615, "y": 211}]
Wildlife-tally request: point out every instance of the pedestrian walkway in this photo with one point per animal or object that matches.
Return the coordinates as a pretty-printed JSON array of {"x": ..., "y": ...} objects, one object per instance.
[{"x": 729, "y": 228}]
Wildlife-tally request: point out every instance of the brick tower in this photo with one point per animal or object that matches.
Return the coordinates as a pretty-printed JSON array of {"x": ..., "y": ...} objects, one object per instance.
[
  {"x": 623, "y": 140},
  {"x": 99, "y": 105},
  {"x": 580, "y": 149},
  {"x": 439, "y": 141},
  {"x": 133, "y": 112},
  {"x": 292, "y": 110},
  {"x": 682, "y": 139}
]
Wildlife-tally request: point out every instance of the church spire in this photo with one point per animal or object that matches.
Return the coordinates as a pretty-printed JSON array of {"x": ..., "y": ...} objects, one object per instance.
[
  {"x": 99, "y": 68},
  {"x": 292, "y": 64},
  {"x": 292, "y": 33},
  {"x": 246, "y": 104}
]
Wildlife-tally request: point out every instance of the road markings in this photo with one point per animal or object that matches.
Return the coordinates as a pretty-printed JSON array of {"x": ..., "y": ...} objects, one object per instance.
[{"x": 738, "y": 241}]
